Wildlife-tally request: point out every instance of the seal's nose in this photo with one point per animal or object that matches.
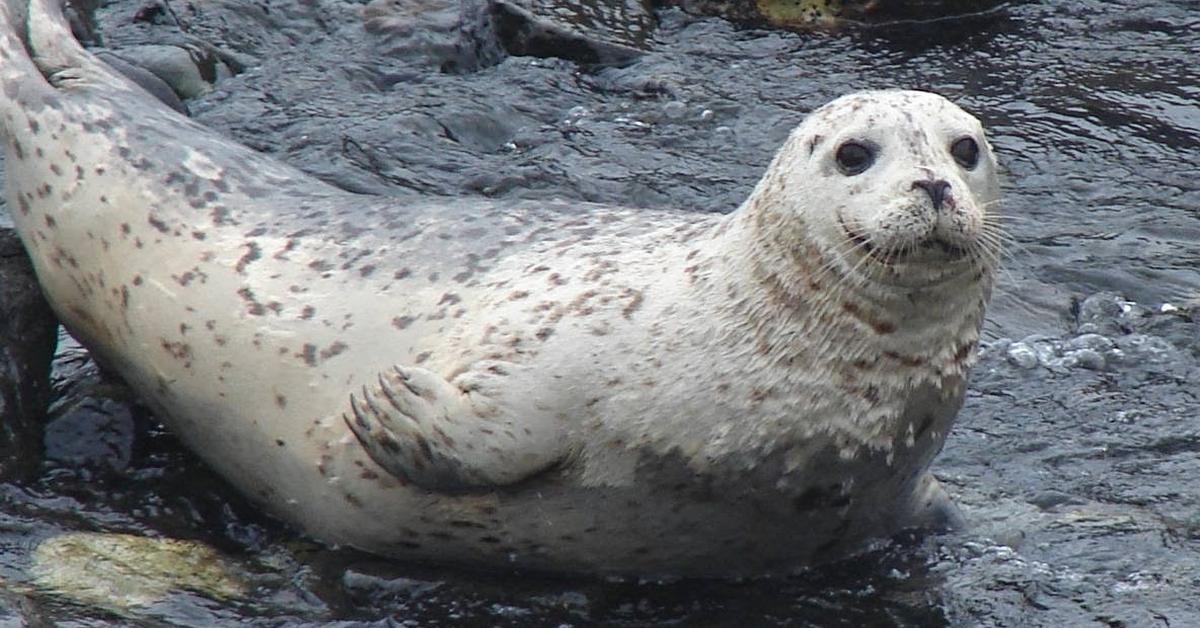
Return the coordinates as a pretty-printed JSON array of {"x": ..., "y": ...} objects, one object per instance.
[{"x": 936, "y": 189}]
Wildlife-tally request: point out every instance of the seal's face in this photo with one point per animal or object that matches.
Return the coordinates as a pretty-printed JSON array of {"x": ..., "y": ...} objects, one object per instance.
[{"x": 906, "y": 181}]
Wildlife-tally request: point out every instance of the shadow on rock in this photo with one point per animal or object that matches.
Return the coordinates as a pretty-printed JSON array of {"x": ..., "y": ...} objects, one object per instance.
[{"x": 28, "y": 335}]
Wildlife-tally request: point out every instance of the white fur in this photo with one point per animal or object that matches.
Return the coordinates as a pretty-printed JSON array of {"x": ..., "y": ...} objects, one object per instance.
[{"x": 599, "y": 389}]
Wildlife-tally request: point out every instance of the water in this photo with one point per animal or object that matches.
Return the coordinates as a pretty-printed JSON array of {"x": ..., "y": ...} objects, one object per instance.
[{"x": 1077, "y": 470}]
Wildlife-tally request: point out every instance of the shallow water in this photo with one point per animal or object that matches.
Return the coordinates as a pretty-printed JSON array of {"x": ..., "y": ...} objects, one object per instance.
[{"x": 1078, "y": 471}]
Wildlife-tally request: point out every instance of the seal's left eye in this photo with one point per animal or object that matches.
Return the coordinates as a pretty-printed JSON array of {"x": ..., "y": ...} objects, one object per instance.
[
  {"x": 854, "y": 158},
  {"x": 965, "y": 152}
]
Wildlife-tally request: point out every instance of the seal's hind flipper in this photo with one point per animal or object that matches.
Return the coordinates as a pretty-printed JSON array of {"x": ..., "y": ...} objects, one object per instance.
[{"x": 425, "y": 430}]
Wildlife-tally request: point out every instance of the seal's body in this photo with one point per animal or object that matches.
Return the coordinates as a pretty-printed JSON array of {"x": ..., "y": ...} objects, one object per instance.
[{"x": 553, "y": 386}]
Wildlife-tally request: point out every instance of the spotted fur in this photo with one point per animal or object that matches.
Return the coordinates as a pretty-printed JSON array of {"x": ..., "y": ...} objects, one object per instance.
[{"x": 548, "y": 385}]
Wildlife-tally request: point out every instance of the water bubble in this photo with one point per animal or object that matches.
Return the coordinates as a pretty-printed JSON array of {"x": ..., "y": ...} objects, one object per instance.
[{"x": 707, "y": 115}]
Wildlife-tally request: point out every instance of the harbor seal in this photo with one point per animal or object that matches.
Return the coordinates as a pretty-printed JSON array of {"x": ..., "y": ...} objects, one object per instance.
[{"x": 541, "y": 385}]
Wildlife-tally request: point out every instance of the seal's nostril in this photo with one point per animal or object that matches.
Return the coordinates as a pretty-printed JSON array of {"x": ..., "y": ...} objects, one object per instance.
[{"x": 936, "y": 189}]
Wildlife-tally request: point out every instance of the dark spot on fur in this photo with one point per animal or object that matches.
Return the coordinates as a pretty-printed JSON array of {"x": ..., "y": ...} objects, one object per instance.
[
  {"x": 402, "y": 322},
  {"x": 334, "y": 349},
  {"x": 157, "y": 224},
  {"x": 880, "y": 327},
  {"x": 906, "y": 360},
  {"x": 252, "y": 305},
  {"x": 253, "y": 252},
  {"x": 178, "y": 350},
  {"x": 309, "y": 354}
]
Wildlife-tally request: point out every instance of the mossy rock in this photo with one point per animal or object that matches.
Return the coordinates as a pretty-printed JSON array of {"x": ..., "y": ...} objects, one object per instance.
[
  {"x": 119, "y": 572},
  {"x": 828, "y": 14}
]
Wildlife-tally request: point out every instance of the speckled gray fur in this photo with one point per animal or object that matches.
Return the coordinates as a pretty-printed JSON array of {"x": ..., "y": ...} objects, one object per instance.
[{"x": 543, "y": 385}]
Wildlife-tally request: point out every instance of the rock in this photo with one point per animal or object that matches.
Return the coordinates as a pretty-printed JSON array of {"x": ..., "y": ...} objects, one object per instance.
[
  {"x": 28, "y": 335},
  {"x": 827, "y": 14},
  {"x": 146, "y": 79},
  {"x": 590, "y": 33},
  {"x": 82, "y": 16},
  {"x": 176, "y": 67},
  {"x": 456, "y": 36},
  {"x": 447, "y": 35},
  {"x": 118, "y": 572},
  {"x": 190, "y": 70}
]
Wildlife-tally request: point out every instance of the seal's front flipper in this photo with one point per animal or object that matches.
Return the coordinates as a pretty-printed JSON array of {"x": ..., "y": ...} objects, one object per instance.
[{"x": 425, "y": 430}]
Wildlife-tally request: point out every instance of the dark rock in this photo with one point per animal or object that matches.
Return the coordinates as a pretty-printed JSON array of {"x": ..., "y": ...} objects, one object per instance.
[
  {"x": 448, "y": 35},
  {"x": 91, "y": 431},
  {"x": 146, "y": 79},
  {"x": 177, "y": 66},
  {"x": 189, "y": 68},
  {"x": 590, "y": 33},
  {"x": 28, "y": 335},
  {"x": 82, "y": 16},
  {"x": 455, "y": 36}
]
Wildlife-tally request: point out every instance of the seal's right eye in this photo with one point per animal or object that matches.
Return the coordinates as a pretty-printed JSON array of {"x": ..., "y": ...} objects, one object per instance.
[
  {"x": 854, "y": 158},
  {"x": 965, "y": 152}
]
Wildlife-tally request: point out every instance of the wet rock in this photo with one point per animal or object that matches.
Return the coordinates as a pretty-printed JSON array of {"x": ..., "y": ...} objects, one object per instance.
[
  {"x": 146, "y": 79},
  {"x": 92, "y": 432},
  {"x": 190, "y": 70},
  {"x": 118, "y": 572},
  {"x": 455, "y": 36},
  {"x": 824, "y": 14},
  {"x": 28, "y": 334},
  {"x": 448, "y": 35},
  {"x": 175, "y": 67},
  {"x": 1022, "y": 355},
  {"x": 592, "y": 33},
  {"x": 81, "y": 14}
]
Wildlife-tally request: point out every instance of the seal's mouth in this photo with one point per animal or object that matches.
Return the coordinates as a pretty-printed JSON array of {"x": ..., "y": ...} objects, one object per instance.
[{"x": 929, "y": 249}]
